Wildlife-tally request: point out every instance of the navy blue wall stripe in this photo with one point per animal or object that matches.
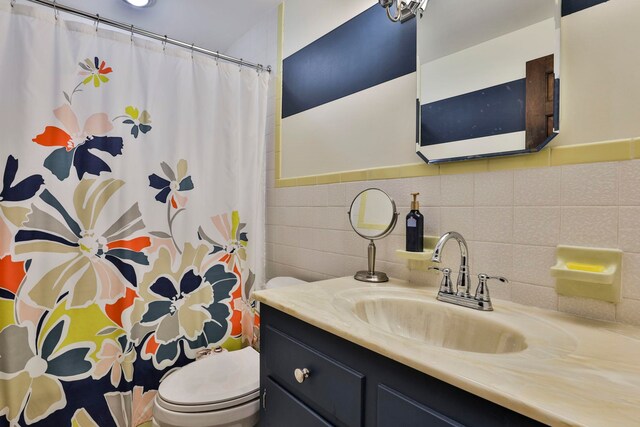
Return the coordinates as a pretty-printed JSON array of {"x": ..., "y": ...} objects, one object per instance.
[
  {"x": 364, "y": 52},
  {"x": 491, "y": 111},
  {"x": 572, "y": 6}
]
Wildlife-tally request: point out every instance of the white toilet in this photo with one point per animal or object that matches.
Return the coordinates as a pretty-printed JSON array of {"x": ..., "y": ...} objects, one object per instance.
[{"x": 220, "y": 390}]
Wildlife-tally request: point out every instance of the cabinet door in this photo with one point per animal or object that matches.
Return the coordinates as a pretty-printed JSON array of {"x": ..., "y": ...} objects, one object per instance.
[
  {"x": 397, "y": 410},
  {"x": 331, "y": 386},
  {"x": 282, "y": 409}
]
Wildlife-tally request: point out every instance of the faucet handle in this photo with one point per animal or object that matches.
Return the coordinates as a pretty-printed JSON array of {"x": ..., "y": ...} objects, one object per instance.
[
  {"x": 486, "y": 277},
  {"x": 445, "y": 286},
  {"x": 482, "y": 291}
]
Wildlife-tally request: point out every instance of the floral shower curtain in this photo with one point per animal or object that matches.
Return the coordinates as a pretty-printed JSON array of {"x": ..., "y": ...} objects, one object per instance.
[{"x": 131, "y": 217}]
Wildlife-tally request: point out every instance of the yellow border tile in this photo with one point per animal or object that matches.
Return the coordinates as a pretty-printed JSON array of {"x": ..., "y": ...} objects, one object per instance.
[
  {"x": 417, "y": 169},
  {"x": 563, "y": 155},
  {"x": 635, "y": 149},
  {"x": 278, "y": 164},
  {"x": 278, "y": 109},
  {"x": 471, "y": 166},
  {"x": 278, "y": 101},
  {"x": 383, "y": 173},
  {"x": 350, "y": 176},
  {"x": 525, "y": 161},
  {"x": 286, "y": 182},
  {"x": 280, "y": 46},
  {"x": 403, "y": 171},
  {"x": 307, "y": 180},
  {"x": 329, "y": 178},
  {"x": 609, "y": 151}
]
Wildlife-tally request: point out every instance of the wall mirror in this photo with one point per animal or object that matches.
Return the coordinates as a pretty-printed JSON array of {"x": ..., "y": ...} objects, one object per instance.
[
  {"x": 488, "y": 80},
  {"x": 372, "y": 215}
]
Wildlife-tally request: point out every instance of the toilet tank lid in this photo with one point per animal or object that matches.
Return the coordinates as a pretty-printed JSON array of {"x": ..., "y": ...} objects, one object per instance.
[
  {"x": 217, "y": 378},
  {"x": 278, "y": 282}
]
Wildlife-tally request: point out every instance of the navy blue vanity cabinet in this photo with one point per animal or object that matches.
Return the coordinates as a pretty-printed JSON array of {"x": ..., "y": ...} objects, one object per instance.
[
  {"x": 331, "y": 388},
  {"x": 284, "y": 406},
  {"x": 347, "y": 385}
]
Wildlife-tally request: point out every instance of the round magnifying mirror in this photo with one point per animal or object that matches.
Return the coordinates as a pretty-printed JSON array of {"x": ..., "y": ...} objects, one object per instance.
[{"x": 373, "y": 216}]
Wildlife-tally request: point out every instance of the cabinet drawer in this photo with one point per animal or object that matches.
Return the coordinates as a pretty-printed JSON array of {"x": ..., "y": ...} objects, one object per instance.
[
  {"x": 330, "y": 387},
  {"x": 281, "y": 405},
  {"x": 397, "y": 410}
]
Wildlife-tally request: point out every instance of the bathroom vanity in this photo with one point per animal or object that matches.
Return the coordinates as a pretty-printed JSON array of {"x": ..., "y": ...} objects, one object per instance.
[
  {"x": 345, "y": 353},
  {"x": 348, "y": 385}
]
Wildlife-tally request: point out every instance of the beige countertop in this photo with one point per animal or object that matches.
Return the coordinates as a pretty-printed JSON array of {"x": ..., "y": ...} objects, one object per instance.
[{"x": 574, "y": 371}]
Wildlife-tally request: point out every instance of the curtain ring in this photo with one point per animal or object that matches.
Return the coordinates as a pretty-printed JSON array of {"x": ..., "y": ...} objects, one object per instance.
[
  {"x": 132, "y": 33},
  {"x": 164, "y": 44},
  {"x": 55, "y": 10},
  {"x": 217, "y": 57},
  {"x": 192, "y": 44},
  {"x": 13, "y": 3},
  {"x": 97, "y": 21},
  {"x": 241, "y": 64}
]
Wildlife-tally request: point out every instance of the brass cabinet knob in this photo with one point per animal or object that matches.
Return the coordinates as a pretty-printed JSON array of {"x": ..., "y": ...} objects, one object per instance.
[{"x": 301, "y": 374}]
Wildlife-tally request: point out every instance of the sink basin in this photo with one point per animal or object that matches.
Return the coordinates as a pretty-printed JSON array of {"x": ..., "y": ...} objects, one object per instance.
[{"x": 411, "y": 315}]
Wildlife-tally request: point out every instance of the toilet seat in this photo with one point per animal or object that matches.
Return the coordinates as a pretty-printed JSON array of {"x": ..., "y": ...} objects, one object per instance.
[
  {"x": 217, "y": 382},
  {"x": 208, "y": 407}
]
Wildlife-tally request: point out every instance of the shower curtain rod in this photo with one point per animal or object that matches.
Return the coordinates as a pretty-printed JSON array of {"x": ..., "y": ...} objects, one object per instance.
[{"x": 131, "y": 28}]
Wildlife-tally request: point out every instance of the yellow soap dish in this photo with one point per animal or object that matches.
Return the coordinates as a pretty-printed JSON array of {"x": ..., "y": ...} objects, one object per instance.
[
  {"x": 415, "y": 256},
  {"x": 562, "y": 271},
  {"x": 588, "y": 272},
  {"x": 585, "y": 267},
  {"x": 419, "y": 260}
]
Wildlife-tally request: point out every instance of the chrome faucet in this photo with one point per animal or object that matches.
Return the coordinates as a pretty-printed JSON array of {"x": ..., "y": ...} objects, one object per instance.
[
  {"x": 461, "y": 295},
  {"x": 462, "y": 285}
]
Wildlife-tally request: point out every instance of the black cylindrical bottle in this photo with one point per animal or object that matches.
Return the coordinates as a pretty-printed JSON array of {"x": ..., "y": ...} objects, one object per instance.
[{"x": 415, "y": 227}]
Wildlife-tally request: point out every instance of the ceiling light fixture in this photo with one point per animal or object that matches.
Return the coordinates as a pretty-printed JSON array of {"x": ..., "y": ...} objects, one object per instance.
[{"x": 140, "y": 3}]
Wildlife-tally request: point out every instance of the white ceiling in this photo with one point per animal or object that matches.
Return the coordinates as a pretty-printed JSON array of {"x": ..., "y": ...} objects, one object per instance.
[{"x": 212, "y": 24}]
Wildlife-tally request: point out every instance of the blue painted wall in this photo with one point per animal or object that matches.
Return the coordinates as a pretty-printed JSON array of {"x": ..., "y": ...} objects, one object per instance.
[
  {"x": 363, "y": 52},
  {"x": 573, "y": 6},
  {"x": 491, "y": 111}
]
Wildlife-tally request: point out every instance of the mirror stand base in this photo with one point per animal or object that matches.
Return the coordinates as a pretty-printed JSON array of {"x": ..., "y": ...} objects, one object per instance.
[{"x": 373, "y": 277}]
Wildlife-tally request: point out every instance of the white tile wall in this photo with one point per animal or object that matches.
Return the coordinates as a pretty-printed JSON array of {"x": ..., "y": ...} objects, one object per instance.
[
  {"x": 629, "y": 236},
  {"x": 512, "y": 220},
  {"x": 594, "y": 184},
  {"x": 457, "y": 190},
  {"x": 493, "y": 224},
  {"x": 535, "y": 225},
  {"x": 584, "y": 307},
  {"x": 629, "y": 179},
  {"x": 456, "y": 219},
  {"x": 494, "y": 259},
  {"x": 538, "y": 296},
  {"x": 537, "y": 187},
  {"x": 590, "y": 226},
  {"x": 531, "y": 264},
  {"x": 631, "y": 275},
  {"x": 494, "y": 189}
]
